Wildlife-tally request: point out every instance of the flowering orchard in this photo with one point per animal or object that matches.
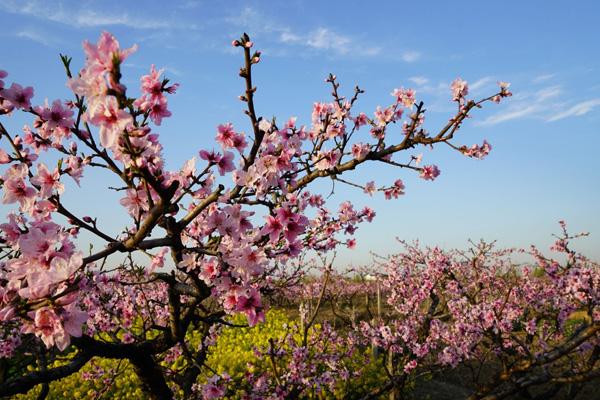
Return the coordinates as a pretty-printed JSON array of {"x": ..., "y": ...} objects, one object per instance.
[{"x": 236, "y": 224}]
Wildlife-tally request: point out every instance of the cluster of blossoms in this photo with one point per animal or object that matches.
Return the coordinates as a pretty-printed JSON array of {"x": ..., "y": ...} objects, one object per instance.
[
  {"x": 226, "y": 225},
  {"x": 451, "y": 308}
]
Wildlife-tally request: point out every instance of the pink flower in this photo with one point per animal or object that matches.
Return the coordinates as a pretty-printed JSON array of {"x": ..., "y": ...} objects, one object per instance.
[
  {"x": 361, "y": 119},
  {"x": 360, "y": 150},
  {"x": 211, "y": 391},
  {"x": 395, "y": 191},
  {"x": 4, "y": 157},
  {"x": 102, "y": 54},
  {"x": 430, "y": 172},
  {"x": 56, "y": 117},
  {"x": 370, "y": 188},
  {"x": 48, "y": 327},
  {"x": 151, "y": 84},
  {"x": 159, "y": 110},
  {"x": 225, "y": 164},
  {"x": 18, "y": 96},
  {"x": 326, "y": 160},
  {"x": 409, "y": 366},
  {"x": 460, "y": 89},
  {"x": 405, "y": 96},
  {"x": 273, "y": 228},
  {"x": 476, "y": 151},
  {"x": 15, "y": 188},
  {"x": 48, "y": 182},
  {"x": 225, "y": 135},
  {"x": 110, "y": 118}
]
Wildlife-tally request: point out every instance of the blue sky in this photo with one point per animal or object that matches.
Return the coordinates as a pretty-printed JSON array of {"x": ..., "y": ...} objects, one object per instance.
[{"x": 545, "y": 164}]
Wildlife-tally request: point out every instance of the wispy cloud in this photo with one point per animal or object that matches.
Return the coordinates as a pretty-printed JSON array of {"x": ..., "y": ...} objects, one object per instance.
[
  {"x": 38, "y": 37},
  {"x": 318, "y": 39},
  {"x": 80, "y": 17},
  {"x": 419, "y": 80},
  {"x": 513, "y": 113},
  {"x": 548, "y": 104},
  {"x": 577, "y": 110},
  {"x": 543, "y": 78},
  {"x": 536, "y": 104},
  {"x": 328, "y": 40},
  {"x": 410, "y": 56},
  {"x": 480, "y": 83}
]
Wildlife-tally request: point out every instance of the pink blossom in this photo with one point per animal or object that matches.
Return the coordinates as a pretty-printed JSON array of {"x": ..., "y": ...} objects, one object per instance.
[
  {"x": 429, "y": 172},
  {"x": 273, "y": 228},
  {"x": 56, "y": 117},
  {"x": 360, "y": 150},
  {"x": 405, "y": 96},
  {"x": 370, "y": 188},
  {"x": 460, "y": 89},
  {"x": 212, "y": 391},
  {"x": 4, "y": 157},
  {"x": 102, "y": 54},
  {"x": 110, "y": 118},
  {"x": 15, "y": 188},
  {"x": 326, "y": 160},
  {"x": 225, "y": 164},
  {"x": 48, "y": 182},
  {"x": 225, "y": 135},
  {"x": 395, "y": 191},
  {"x": 18, "y": 96}
]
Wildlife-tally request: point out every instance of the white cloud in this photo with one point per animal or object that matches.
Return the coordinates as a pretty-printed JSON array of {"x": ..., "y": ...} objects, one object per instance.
[
  {"x": 410, "y": 56},
  {"x": 577, "y": 110},
  {"x": 543, "y": 78},
  {"x": 529, "y": 105},
  {"x": 419, "y": 80},
  {"x": 513, "y": 113},
  {"x": 37, "y": 36},
  {"x": 80, "y": 17},
  {"x": 320, "y": 39},
  {"x": 547, "y": 104},
  {"x": 480, "y": 83},
  {"x": 548, "y": 93}
]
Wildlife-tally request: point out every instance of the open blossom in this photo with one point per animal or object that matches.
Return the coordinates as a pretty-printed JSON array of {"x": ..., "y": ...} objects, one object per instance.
[
  {"x": 360, "y": 150},
  {"x": 370, "y": 188},
  {"x": 48, "y": 182},
  {"x": 225, "y": 163},
  {"x": 15, "y": 187},
  {"x": 152, "y": 84},
  {"x": 103, "y": 54},
  {"x": 429, "y": 172},
  {"x": 110, "y": 118},
  {"x": 56, "y": 118},
  {"x": 479, "y": 152},
  {"x": 273, "y": 228},
  {"x": 459, "y": 88},
  {"x": 212, "y": 391},
  {"x": 96, "y": 76},
  {"x": 384, "y": 116},
  {"x": 54, "y": 329},
  {"x": 504, "y": 92},
  {"x": 225, "y": 135},
  {"x": 405, "y": 96},
  {"x": 395, "y": 191},
  {"x": 18, "y": 96},
  {"x": 326, "y": 160}
]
